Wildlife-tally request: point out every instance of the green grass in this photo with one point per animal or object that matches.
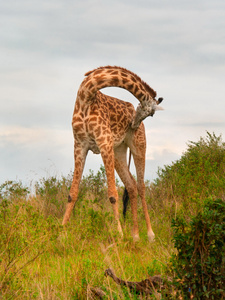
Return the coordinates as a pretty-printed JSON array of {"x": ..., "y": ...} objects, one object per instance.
[{"x": 40, "y": 259}]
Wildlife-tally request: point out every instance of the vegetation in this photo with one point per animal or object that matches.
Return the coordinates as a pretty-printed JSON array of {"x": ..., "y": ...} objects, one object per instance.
[
  {"x": 199, "y": 264},
  {"x": 40, "y": 259}
]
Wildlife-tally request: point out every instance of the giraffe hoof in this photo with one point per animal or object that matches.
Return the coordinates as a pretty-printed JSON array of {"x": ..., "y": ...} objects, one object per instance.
[
  {"x": 136, "y": 237},
  {"x": 151, "y": 236}
]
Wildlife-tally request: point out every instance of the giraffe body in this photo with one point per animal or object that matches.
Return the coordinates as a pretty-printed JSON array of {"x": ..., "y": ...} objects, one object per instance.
[{"x": 109, "y": 126}]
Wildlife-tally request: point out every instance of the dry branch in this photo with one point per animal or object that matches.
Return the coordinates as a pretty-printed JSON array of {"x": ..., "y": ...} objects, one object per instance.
[
  {"x": 147, "y": 286},
  {"x": 96, "y": 293}
]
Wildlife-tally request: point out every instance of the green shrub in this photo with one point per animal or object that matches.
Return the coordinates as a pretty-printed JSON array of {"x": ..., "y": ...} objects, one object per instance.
[
  {"x": 199, "y": 264},
  {"x": 52, "y": 194},
  {"x": 11, "y": 190},
  {"x": 198, "y": 174},
  {"x": 94, "y": 186}
]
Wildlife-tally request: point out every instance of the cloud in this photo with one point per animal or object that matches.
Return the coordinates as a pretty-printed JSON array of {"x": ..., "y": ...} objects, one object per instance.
[
  {"x": 26, "y": 150},
  {"x": 86, "y": 29},
  {"x": 31, "y": 137}
]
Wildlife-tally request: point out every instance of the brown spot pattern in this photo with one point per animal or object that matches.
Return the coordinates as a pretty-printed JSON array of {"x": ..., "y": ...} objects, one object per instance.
[{"x": 103, "y": 124}]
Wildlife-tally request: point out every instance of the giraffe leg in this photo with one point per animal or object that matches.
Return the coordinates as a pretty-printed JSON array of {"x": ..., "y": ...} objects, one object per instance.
[
  {"x": 107, "y": 154},
  {"x": 129, "y": 182},
  {"x": 79, "y": 156},
  {"x": 139, "y": 161}
]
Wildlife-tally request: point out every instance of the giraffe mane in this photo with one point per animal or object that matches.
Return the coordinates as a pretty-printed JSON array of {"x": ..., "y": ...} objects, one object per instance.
[{"x": 146, "y": 86}]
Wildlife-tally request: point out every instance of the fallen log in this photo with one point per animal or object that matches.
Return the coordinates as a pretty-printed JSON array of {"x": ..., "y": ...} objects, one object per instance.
[
  {"x": 147, "y": 286},
  {"x": 96, "y": 293}
]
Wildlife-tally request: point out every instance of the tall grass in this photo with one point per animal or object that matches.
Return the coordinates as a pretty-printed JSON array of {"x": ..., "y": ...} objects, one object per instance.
[{"x": 40, "y": 259}]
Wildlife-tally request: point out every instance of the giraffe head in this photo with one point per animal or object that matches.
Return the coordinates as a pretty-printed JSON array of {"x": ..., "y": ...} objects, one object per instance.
[
  {"x": 144, "y": 109},
  {"x": 150, "y": 106}
]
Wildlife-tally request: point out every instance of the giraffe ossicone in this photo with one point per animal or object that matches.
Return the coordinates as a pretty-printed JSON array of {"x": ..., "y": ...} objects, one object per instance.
[{"x": 109, "y": 126}]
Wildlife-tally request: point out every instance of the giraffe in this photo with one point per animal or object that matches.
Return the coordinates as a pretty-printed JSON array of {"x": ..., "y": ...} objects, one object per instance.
[{"x": 109, "y": 126}]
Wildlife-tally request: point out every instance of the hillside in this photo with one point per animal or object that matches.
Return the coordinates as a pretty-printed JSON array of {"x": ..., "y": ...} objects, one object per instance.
[{"x": 40, "y": 259}]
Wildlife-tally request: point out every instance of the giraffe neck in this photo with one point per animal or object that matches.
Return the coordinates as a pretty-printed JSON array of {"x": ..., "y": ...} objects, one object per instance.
[{"x": 114, "y": 77}]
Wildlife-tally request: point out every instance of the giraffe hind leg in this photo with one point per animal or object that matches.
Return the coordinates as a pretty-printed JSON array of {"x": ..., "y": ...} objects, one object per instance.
[
  {"x": 107, "y": 154},
  {"x": 79, "y": 156}
]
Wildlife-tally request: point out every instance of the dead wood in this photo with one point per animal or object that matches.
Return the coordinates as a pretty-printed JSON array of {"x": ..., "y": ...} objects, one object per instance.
[
  {"x": 96, "y": 293},
  {"x": 147, "y": 286}
]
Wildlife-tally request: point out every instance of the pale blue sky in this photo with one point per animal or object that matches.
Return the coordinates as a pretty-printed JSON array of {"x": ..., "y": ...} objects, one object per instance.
[{"x": 177, "y": 47}]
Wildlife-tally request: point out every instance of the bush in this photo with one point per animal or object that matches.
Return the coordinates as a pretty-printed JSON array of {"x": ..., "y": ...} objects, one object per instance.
[
  {"x": 199, "y": 265},
  {"x": 11, "y": 190},
  {"x": 52, "y": 194},
  {"x": 94, "y": 185},
  {"x": 198, "y": 174}
]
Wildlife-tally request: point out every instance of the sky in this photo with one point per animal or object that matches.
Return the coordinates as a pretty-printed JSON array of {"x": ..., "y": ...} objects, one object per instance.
[{"x": 176, "y": 46}]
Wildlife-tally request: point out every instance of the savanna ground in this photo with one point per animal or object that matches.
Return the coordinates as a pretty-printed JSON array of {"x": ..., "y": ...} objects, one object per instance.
[{"x": 40, "y": 259}]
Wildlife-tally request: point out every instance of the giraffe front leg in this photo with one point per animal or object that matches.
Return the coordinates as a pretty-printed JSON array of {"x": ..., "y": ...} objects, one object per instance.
[
  {"x": 139, "y": 161},
  {"x": 141, "y": 191},
  {"x": 108, "y": 160},
  {"x": 130, "y": 184}
]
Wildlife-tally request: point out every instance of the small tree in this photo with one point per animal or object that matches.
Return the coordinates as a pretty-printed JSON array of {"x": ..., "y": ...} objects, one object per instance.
[{"x": 199, "y": 264}]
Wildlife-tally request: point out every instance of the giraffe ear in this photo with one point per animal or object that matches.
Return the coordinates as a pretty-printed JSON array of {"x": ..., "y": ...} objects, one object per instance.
[
  {"x": 156, "y": 104},
  {"x": 159, "y": 100}
]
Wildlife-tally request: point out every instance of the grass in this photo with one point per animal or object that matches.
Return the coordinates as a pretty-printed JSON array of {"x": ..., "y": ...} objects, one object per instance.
[
  {"x": 43, "y": 260},
  {"x": 40, "y": 259}
]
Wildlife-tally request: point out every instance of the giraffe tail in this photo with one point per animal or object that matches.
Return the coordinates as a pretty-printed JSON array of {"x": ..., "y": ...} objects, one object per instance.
[
  {"x": 125, "y": 202},
  {"x": 125, "y": 193}
]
